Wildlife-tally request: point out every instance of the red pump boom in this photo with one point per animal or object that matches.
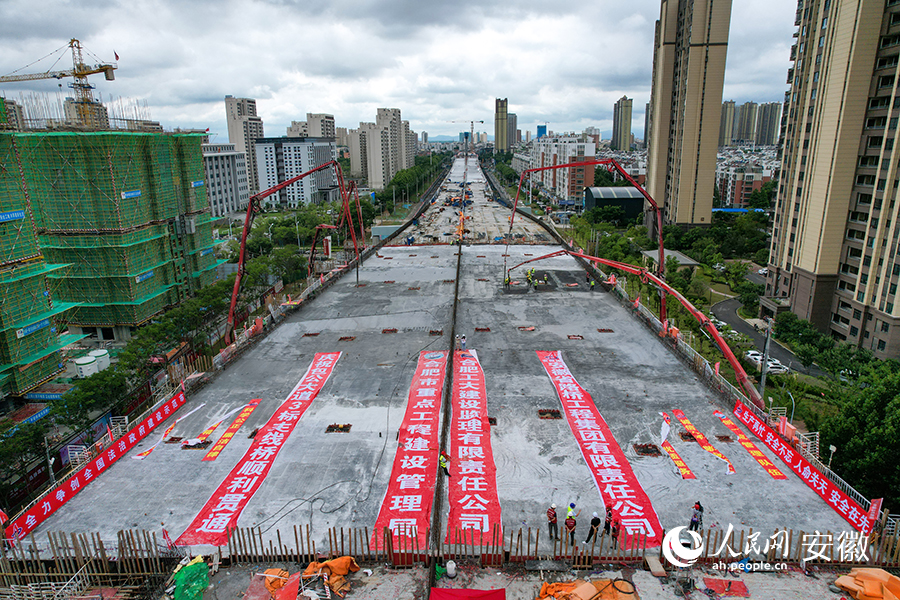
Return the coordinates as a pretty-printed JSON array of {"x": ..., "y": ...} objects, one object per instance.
[
  {"x": 646, "y": 276},
  {"x": 254, "y": 206}
]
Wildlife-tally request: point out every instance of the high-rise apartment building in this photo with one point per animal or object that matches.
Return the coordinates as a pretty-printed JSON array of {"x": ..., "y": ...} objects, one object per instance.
[
  {"x": 726, "y": 123},
  {"x": 768, "y": 124},
  {"x": 12, "y": 116},
  {"x": 341, "y": 137},
  {"x": 512, "y": 123},
  {"x": 280, "y": 159},
  {"x": 647, "y": 125},
  {"x": 390, "y": 118},
  {"x": 567, "y": 184},
  {"x": 833, "y": 257},
  {"x": 621, "y": 133},
  {"x": 244, "y": 126},
  {"x": 320, "y": 125},
  {"x": 226, "y": 179},
  {"x": 745, "y": 123},
  {"x": 501, "y": 125},
  {"x": 297, "y": 129},
  {"x": 88, "y": 115},
  {"x": 688, "y": 74},
  {"x": 379, "y": 150}
]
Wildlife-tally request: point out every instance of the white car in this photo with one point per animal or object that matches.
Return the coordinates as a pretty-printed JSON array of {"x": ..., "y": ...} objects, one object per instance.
[
  {"x": 764, "y": 271},
  {"x": 775, "y": 366},
  {"x": 754, "y": 357}
]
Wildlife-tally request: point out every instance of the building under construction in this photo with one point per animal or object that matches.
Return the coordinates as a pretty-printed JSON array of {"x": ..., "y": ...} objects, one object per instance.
[
  {"x": 124, "y": 214},
  {"x": 29, "y": 315}
]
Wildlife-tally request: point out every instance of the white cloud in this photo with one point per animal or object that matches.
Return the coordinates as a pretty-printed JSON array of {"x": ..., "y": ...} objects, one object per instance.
[{"x": 564, "y": 62}]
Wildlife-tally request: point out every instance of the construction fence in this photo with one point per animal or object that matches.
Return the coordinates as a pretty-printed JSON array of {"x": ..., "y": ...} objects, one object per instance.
[{"x": 144, "y": 557}]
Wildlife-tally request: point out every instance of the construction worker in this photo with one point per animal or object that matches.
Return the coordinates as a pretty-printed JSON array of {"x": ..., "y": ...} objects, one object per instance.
[
  {"x": 615, "y": 532},
  {"x": 462, "y": 341},
  {"x": 506, "y": 281},
  {"x": 592, "y": 285},
  {"x": 570, "y": 512},
  {"x": 696, "y": 517},
  {"x": 445, "y": 463},
  {"x": 570, "y": 528},
  {"x": 608, "y": 522},
  {"x": 552, "y": 526},
  {"x": 593, "y": 529}
]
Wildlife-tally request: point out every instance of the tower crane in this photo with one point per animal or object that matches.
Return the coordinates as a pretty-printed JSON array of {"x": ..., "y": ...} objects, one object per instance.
[
  {"x": 471, "y": 131},
  {"x": 79, "y": 71}
]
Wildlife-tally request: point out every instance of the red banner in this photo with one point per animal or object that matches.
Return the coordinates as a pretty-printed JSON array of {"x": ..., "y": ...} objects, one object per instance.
[
  {"x": 755, "y": 452},
  {"x": 224, "y": 507},
  {"x": 701, "y": 439},
  {"x": 41, "y": 511},
  {"x": 209, "y": 430},
  {"x": 406, "y": 507},
  {"x": 474, "y": 503},
  {"x": 875, "y": 509},
  {"x": 824, "y": 487},
  {"x": 666, "y": 445},
  {"x": 616, "y": 482},
  {"x": 229, "y": 433}
]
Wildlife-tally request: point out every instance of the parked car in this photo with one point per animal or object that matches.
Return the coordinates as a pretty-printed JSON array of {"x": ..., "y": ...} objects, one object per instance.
[
  {"x": 754, "y": 357},
  {"x": 764, "y": 271},
  {"x": 775, "y": 366}
]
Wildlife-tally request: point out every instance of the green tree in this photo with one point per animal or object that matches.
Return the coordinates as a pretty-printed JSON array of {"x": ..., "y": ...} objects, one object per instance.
[
  {"x": 78, "y": 407},
  {"x": 866, "y": 433},
  {"x": 288, "y": 264}
]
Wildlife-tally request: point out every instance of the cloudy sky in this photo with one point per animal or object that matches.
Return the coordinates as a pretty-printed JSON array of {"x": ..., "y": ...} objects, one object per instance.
[{"x": 561, "y": 61}]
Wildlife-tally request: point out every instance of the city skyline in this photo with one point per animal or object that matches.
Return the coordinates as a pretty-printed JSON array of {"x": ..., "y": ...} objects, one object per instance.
[{"x": 433, "y": 67}]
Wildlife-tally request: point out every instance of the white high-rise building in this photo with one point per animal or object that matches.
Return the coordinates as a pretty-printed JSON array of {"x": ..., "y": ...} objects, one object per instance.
[
  {"x": 567, "y": 184},
  {"x": 370, "y": 154},
  {"x": 226, "y": 178},
  {"x": 320, "y": 125},
  {"x": 244, "y": 126},
  {"x": 280, "y": 159},
  {"x": 341, "y": 136}
]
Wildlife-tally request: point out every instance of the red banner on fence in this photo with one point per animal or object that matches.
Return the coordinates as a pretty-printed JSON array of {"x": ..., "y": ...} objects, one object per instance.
[
  {"x": 616, "y": 482},
  {"x": 748, "y": 445},
  {"x": 229, "y": 433},
  {"x": 824, "y": 487},
  {"x": 701, "y": 439},
  {"x": 474, "y": 503},
  {"x": 406, "y": 508},
  {"x": 222, "y": 510},
  {"x": 41, "y": 511}
]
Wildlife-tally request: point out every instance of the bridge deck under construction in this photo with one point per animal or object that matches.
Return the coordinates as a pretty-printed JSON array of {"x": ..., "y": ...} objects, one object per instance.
[{"x": 406, "y": 303}]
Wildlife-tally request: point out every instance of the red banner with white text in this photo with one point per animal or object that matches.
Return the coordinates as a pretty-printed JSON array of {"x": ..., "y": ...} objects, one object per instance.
[
  {"x": 406, "y": 508},
  {"x": 616, "y": 482},
  {"x": 702, "y": 440},
  {"x": 221, "y": 512},
  {"x": 473, "y": 498},
  {"x": 53, "y": 501},
  {"x": 750, "y": 447},
  {"x": 824, "y": 487}
]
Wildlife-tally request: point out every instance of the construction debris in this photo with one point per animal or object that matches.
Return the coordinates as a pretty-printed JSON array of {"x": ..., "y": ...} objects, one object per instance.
[{"x": 334, "y": 572}]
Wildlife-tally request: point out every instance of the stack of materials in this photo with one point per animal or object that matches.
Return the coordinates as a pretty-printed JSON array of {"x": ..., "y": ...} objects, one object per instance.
[{"x": 870, "y": 584}]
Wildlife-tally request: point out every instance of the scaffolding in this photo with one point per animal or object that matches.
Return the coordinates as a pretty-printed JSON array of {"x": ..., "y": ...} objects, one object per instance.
[
  {"x": 29, "y": 317},
  {"x": 126, "y": 212}
]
